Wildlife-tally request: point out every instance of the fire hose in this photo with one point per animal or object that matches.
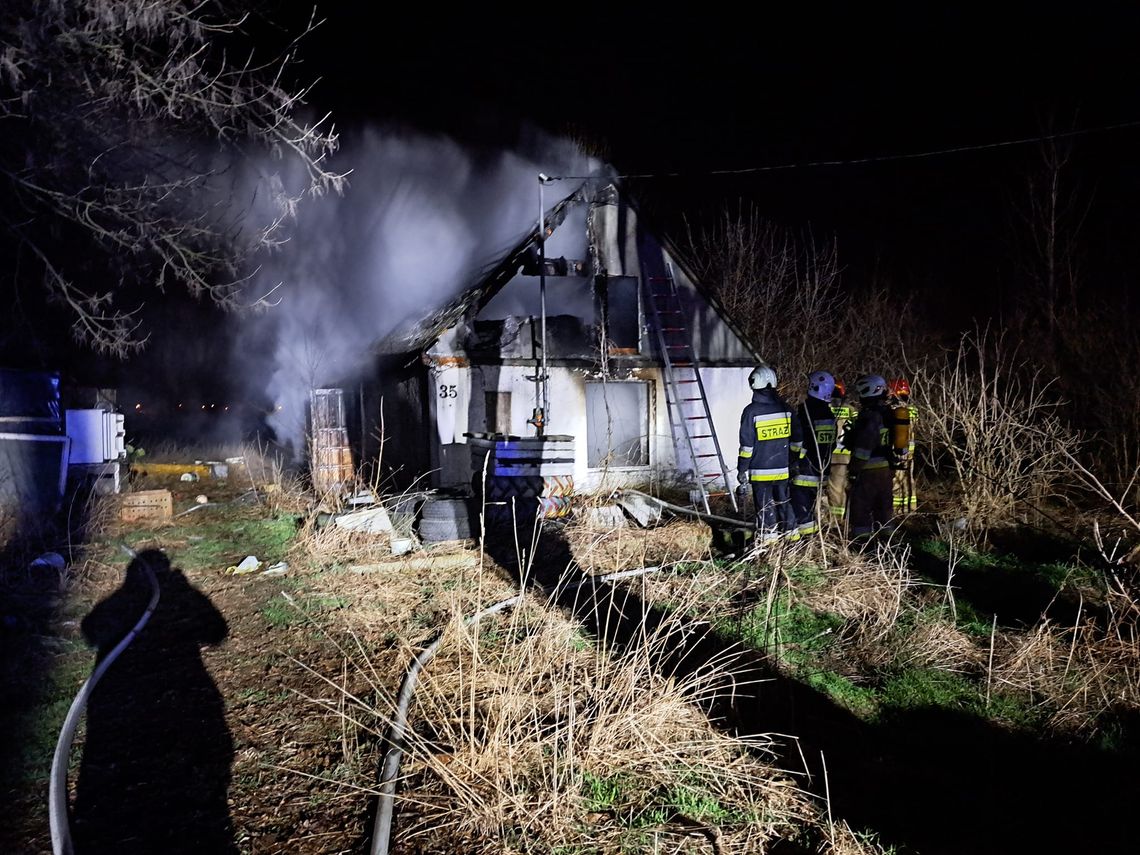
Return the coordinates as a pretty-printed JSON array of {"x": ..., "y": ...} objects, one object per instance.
[
  {"x": 390, "y": 767},
  {"x": 61, "y": 842}
]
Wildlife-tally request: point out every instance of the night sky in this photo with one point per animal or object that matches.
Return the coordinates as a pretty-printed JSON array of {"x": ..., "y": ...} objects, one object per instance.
[
  {"x": 682, "y": 93},
  {"x": 670, "y": 93}
]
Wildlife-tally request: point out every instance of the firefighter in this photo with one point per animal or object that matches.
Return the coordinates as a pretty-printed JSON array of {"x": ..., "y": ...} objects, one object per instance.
[
  {"x": 870, "y": 504},
  {"x": 841, "y": 455},
  {"x": 811, "y": 459},
  {"x": 766, "y": 431},
  {"x": 902, "y": 445}
]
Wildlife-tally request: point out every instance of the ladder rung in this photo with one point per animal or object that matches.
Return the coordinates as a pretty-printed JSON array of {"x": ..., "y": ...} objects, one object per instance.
[
  {"x": 717, "y": 493},
  {"x": 704, "y": 455},
  {"x": 710, "y": 474},
  {"x": 680, "y": 382},
  {"x": 701, "y": 436},
  {"x": 696, "y": 418}
]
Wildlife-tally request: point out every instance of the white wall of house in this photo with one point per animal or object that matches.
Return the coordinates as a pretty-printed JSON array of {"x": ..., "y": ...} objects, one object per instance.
[{"x": 477, "y": 388}]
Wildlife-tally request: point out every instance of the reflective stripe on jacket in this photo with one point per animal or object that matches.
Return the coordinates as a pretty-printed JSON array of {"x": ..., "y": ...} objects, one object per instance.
[
  {"x": 817, "y": 427},
  {"x": 766, "y": 431}
]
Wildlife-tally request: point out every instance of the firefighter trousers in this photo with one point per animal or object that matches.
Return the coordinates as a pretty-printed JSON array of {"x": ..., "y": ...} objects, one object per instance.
[
  {"x": 837, "y": 488},
  {"x": 905, "y": 499},
  {"x": 806, "y": 495},
  {"x": 871, "y": 505},
  {"x": 773, "y": 508}
]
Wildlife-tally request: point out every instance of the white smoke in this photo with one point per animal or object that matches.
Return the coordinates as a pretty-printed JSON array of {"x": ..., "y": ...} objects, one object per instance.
[{"x": 420, "y": 217}]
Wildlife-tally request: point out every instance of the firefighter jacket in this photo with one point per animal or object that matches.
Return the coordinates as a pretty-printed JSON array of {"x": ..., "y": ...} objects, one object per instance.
[
  {"x": 869, "y": 438},
  {"x": 844, "y": 418},
  {"x": 817, "y": 430},
  {"x": 766, "y": 431}
]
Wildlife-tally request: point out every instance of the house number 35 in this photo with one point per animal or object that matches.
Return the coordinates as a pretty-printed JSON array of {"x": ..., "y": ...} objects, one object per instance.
[{"x": 446, "y": 391}]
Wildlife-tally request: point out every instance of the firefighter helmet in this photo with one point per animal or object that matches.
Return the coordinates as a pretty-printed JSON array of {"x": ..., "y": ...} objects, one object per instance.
[
  {"x": 871, "y": 386},
  {"x": 900, "y": 388},
  {"x": 820, "y": 385},
  {"x": 762, "y": 377}
]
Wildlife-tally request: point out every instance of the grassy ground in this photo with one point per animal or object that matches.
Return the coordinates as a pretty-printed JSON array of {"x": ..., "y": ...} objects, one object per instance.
[
  {"x": 307, "y": 671},
  {"x": 570, "y": 730}
]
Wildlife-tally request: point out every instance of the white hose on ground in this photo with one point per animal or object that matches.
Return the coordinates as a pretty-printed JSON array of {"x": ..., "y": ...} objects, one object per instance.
[
  {"x": 390, "y": 768},
  {"x": 689, "y": 512},
  {"x": 61, "y": 843}
]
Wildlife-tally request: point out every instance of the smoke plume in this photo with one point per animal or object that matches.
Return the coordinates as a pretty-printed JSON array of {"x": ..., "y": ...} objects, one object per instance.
[{"x": 420, "y": 217}]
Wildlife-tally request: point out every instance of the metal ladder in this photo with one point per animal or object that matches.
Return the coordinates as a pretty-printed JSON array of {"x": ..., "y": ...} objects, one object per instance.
[{"x": 689, "y": 417}]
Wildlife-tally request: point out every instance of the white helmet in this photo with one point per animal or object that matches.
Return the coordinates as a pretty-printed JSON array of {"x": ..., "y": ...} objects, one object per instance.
[
  {"x": 762, "y": 377},
  {"x": 871, "y": 386},
  {"x": 821, "y": 385}
]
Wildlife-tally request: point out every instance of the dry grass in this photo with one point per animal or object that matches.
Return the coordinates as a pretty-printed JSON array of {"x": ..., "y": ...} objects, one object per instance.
[
  {"x": 1079, "y": 675},
  {"x": 867, "y": 586},
  {"x": 525, "y": 733},
  {"x": 605, "y": 550},
  {"x": 996, "y": 428},
  {"x": 938, "y": 644}
]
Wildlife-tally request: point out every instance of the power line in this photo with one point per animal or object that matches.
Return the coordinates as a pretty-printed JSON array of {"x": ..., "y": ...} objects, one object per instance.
[{"x": 882, "y": 158}]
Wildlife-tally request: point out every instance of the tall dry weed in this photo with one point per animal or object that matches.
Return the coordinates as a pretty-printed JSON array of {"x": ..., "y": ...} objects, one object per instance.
[
  {"x": 994, "y": 426},
  {"x": 526, "y": 735}
]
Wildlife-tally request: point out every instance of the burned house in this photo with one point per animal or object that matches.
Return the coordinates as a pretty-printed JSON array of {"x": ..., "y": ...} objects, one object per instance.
[{"x": 592, "y": 336}]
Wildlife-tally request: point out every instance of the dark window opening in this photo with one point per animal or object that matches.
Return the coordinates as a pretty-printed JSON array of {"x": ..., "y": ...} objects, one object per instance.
[
  {"x": 621, "y": 310},
  {"x": 498, "y": 412}
]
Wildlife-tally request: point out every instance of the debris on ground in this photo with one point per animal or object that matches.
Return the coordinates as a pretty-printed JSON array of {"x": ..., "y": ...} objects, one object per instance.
[
  {"x": 278, "y": 569},
  {"x": 188, "y": 476},
  {"x": 146, "y": 506},
  {"x": 249, "y": 564},
  {"x": 604, "y": 516},
  {"x": 402, "y": 545},
  {"x": 368, "y": 521},
  {"x": 644, "y": 511},
  {"x": 49, "y": 560}
]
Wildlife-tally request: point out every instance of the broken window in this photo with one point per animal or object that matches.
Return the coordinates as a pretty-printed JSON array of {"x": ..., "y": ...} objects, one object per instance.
[
  {"x": 621, "y": 310},
  {"x": 617, "y": 424},
  {"x": 498, "y": 412}
]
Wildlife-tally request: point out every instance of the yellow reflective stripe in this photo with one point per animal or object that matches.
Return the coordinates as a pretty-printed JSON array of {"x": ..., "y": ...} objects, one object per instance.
[
  {"x": 807, "y": 481},
  {"x": 745, "y": 452},
  {"x": 767, "y": 474},
  {"x": 875, "y": 464},
  {"x": 841, "y": 456}
]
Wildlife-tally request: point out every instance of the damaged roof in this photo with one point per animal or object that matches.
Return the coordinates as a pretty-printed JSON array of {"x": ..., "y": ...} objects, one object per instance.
[{"x": 417, "y": 334}]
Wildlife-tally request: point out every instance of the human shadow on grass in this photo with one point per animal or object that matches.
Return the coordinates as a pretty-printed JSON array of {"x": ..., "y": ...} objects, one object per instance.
[
  {"x": 927, "y": 780},
  {"x": 156, "y": 761}
]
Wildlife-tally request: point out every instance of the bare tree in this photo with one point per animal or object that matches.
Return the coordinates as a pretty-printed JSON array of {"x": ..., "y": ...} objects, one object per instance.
[
  {"x": 120, "y": 125},
  {"x": 1049, "y": 219},
  {"x": 787, "y": 295},
  {"x": 995, "y": 428}
]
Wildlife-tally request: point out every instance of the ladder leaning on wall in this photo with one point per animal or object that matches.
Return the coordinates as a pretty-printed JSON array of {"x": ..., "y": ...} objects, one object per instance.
[{"x": 689, "y": 416}]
